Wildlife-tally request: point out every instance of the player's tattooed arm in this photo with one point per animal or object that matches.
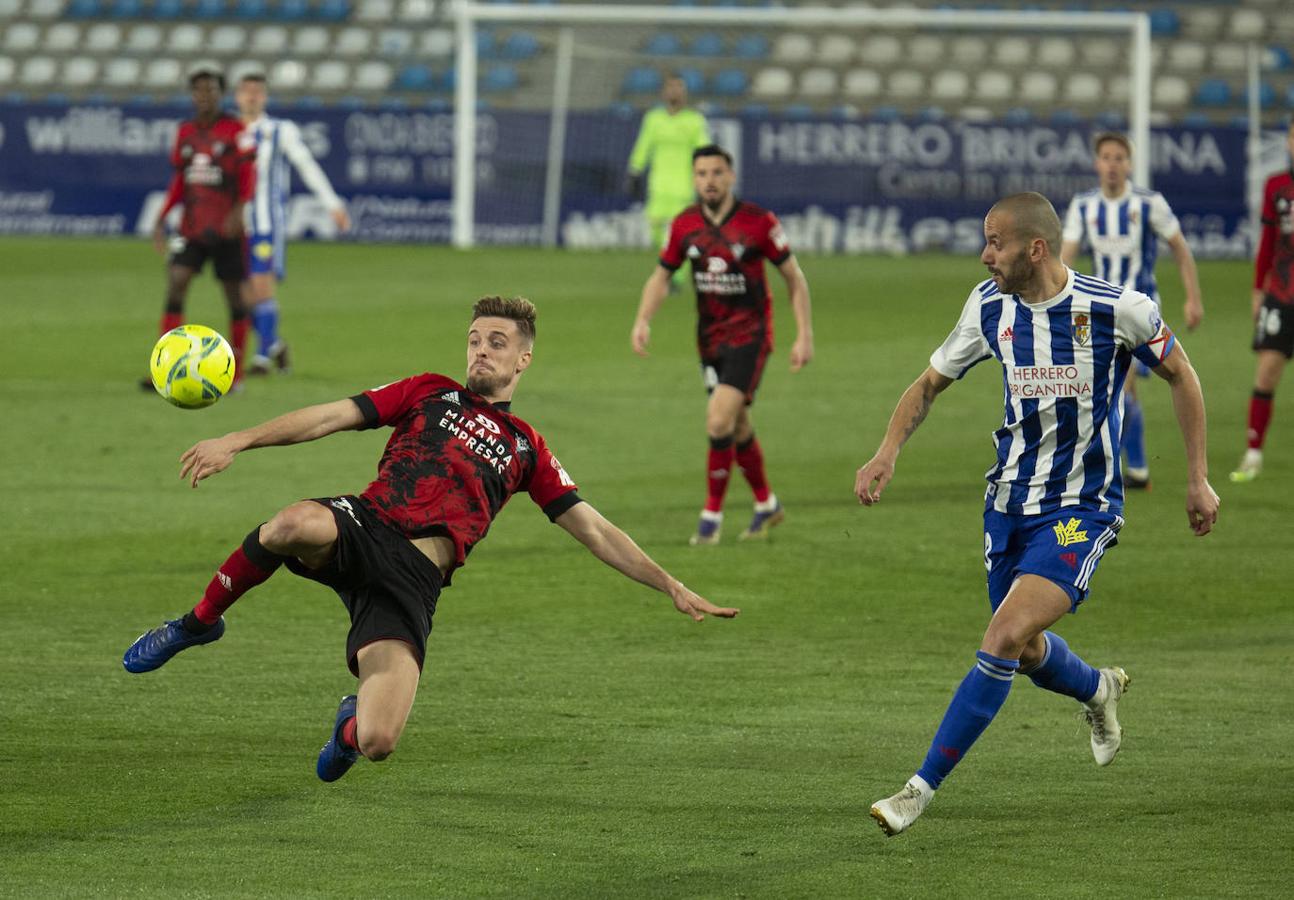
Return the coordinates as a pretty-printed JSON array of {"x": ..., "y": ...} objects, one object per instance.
[{"x": 911, "y": 411}]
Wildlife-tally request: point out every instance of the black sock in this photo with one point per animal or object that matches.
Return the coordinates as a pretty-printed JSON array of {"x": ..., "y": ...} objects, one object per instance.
[{"x": 193, "y": 625}]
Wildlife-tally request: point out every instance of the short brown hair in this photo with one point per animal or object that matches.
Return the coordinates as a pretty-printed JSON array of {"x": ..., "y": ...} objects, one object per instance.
[
  {"x": 1106, "y": 137},
  {"x": 518, "y": 309},
  {"x": 1032, "y": 216}
]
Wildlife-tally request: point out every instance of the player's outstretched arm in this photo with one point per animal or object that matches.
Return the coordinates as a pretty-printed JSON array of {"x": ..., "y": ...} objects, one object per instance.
[
  {"x": 908, "y": 415},
  {"x": 797, "y": 287},
  {"x": 208, "y": 457},
  {"x": 1193, "y": 310},
  {"x": 1188, "y": 403},
  {"x": 615, "y": 548},
  {"x": 654, "y": 293}
]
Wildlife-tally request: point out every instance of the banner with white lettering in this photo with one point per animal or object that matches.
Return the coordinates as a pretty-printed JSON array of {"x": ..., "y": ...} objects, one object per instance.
[{"x": 838, "y": 186}]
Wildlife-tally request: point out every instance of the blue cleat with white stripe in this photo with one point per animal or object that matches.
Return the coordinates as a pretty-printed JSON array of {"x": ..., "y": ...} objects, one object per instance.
[
  {"x": 335, "y": 759},
  {"x": 153, "y": 649}
]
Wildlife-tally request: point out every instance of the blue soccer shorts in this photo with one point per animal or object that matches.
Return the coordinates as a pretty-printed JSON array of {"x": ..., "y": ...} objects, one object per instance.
[{"x": 1064, "y": 547}]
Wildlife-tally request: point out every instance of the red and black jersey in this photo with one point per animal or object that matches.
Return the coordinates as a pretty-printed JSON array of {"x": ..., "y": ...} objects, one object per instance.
[
  {"x": 734, "y": 304},
  {"x": 215, "y": 168},
  {"x": 454, "y": 460},
  {"x": 1274, "y": 268}
]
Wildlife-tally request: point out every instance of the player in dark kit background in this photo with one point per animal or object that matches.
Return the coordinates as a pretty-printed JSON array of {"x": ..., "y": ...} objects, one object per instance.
[
  {"x": 456, "y": 454},
  {"x": 215, "y": 177},
  {"x": 727, "y": 240}
]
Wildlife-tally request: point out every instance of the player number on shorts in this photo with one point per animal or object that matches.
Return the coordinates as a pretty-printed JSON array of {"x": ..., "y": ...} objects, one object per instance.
[{"x": 1269, "y": 321}]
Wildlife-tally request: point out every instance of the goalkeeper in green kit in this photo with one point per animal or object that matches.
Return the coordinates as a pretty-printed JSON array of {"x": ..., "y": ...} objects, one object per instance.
[{"x": 664, "y": 147}]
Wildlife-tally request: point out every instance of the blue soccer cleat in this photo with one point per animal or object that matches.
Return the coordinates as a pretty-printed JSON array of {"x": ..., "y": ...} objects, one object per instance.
[
  {"x": 152, "y": 649},
  {"x": 335, "y": 760},
  {"x": 707, "y": 530},
  {"x": 763, "y": 521}
]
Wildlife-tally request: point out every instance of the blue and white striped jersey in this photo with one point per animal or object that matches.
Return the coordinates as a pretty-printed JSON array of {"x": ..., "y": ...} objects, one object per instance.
[
  {"x": 279, "y": 142},
  {"x": 1064, "y": 362},
  {"x": 1123, "y": 234}
]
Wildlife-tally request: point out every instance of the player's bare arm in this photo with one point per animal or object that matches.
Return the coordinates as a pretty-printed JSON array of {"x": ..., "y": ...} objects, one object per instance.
[
  {"x": 615, "y": 548},
  {"x": 654, "y": 293},
  {"x": 208, "y": 457},
  {"x": 908, "y": 415},
  {"x": 797, "y": 287},
  {"x": 1256, "y": 302},
  {"x": 1193, "y": 309},
  {"x": 1188, "y": 403}
]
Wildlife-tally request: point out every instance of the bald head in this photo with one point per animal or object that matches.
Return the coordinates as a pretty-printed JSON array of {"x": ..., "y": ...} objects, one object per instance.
[{"x": 1030, "y": 216}]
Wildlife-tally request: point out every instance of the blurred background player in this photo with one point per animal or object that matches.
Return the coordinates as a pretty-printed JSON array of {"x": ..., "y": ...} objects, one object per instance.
[
  {"x": 215, "y": 178},
  {"x": 666, "y": 139},
  {"x": 278, "y": 142},
  {"x": 1273, "y": 302},
  {"x": 727, "y": 241},
  {"x": 1122, "y": 224}
]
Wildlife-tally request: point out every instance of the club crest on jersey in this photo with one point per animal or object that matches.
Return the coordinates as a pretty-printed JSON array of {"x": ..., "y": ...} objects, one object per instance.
[
  {"x": 523, "y": 446},
  {"x": 217, "y": 148},
  {"x": 1134, "y": 215},
  {"x": 1081, "y": 329},
  {"x": 716, "y": 265},
  {"x": 694, "y": 252},
  {"x": 1067, "y": 533},
  {"x": 737, "y": 250}
]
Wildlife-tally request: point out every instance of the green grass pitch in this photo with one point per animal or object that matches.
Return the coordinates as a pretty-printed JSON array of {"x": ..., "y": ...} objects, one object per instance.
[{"x": 574, "y": 736}]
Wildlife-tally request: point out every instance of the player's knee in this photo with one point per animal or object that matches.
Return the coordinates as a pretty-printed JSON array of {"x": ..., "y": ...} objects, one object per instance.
[
  {"x": 719, "y": 426},
  {"x": 299, "y": 525},
  {"x": 377, "y": 743},
  {"x": 1007, "y": 640}
]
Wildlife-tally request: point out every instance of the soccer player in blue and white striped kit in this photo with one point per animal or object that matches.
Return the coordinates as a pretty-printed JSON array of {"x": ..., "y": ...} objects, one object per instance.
[
  {"x": 278, "y": 142},
  {"x": 1065, "y": 342},
  {"x": 1122, "y": 225}
]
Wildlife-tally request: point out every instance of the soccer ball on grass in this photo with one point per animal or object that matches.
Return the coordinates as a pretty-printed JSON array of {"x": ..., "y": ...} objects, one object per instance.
[{"x": 192, "y": 366}]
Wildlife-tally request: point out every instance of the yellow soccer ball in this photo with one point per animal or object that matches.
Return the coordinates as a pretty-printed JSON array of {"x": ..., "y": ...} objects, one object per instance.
[{"x": 192, "y": 366}]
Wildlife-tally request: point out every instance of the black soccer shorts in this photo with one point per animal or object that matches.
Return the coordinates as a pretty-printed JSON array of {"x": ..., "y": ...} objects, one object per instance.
[
  {"x": 1274, "y": 329},
  {"x": 228, "y": 257},
  {"x": 388, "y": 586},
  {"x": 741, "y": 367}
]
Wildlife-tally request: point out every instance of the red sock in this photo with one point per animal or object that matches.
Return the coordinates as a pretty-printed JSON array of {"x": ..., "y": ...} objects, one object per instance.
[
  {"x": 751, "y": 460},
  {"x": 246, "y": 567},
  {"x": 170, "y": 320},
  {"x": 348, "y": 734},
  {"x": 238, "y": 340},
  {"x": 1260, "y": 416},
  {"x": 718, "y": 470}
]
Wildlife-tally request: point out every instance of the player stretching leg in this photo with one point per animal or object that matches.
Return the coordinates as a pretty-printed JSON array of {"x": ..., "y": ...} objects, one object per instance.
[
  {"x": 1122, "y": 224},
  {"x": 278, "y": 142},
  {"x": 1273, "y": 304},
  {"x": 215, "y": 177},
  {"x": 456, "y": 454},
  {"x": 1055, "y": 496},
  {"x": 727, "y": 241}
]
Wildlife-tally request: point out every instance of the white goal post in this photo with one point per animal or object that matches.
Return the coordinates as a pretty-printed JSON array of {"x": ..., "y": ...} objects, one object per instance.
[{"x": 1136, "y": 26}]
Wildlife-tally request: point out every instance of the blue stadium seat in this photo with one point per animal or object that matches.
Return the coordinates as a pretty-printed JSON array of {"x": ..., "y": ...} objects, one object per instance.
[
  {"x": 127, "y": 9},
  {"x": 1289, "y": 96},
  {"x": 641, "y": 80},
  {"x": 931, "y": 114},
  {"x": 499, "y": 78},
  {"x": 730, "y": 83},
  {"x": 168, "y": 9},
  {"x": 308, "y": 101},
  {"x": 750, "y": 46},
  {"x": 706, "y": 44},
  {"x": 886, "y": 114},
  {"x": 449, "y": 81},
  {"x": 1266, "y": 95},
  {"x": 333, "y": 10},
  {"x": 755, "y": 110},
  {"x": 1213, "y": 92},
  {"x": 1165, "y": 23},
  {"x": 209, "y": 9},
  {"x": 414, "y": 77},
  {"x": 395, "y": 104},
  {"x": 1278, "y": 59},
  {"x": 486, "y": 43},
  {"x": 1019, "y": 115},
  {"x": 844, "y": 112},
  {"x": 1064, "y": 117},
  {"x": 1239, "y": 122},
  {"x": 1112, "y": 120},
  {"x": 252, "y": 10},
  {"x": 439, "y": 105},
  {"x": 1197, "y": 120},
  {"x": 83, "y": 9},
  {"x": 622, "y": 110},
  {"x": 291, "y": 10},
  {"x": 350, "y": 101},
  {"x": 663, "y": 45},
  {"x": 520, "y": 45},
  {"x": 798, "y": 111},
  {"x": 693, "y": 78}
]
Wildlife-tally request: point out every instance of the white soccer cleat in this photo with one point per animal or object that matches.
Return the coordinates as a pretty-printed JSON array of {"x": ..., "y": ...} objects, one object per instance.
[
  {"x": 896, "y": 814},
  {"x": 1250, "y": 467},
  {"x": 1100, "y": 714}
]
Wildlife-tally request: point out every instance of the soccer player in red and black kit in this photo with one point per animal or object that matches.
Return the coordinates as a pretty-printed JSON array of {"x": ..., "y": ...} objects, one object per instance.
[
  {"x": 215, "y": 177},
  {"x": 1273, "y": 303},
  {"x": 727, "y": 241},
  {"x": 456, "y": 454}
]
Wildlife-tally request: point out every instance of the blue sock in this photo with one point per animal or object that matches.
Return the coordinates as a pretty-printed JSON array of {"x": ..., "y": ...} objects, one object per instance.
[
  {"x": 1063, "y": 671},
  {"x": 1134, "y": 433},
  {"x": 978, "y": 698},
  {"x": 265, "y": 319}
]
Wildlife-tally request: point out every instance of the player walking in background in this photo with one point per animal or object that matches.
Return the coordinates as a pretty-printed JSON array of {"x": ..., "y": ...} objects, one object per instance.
[
  {"x": 1122, "y": 224},
  {"x": 457, "y": 454},
  {"x": 727, "y": 241},
  {"x": 278, "y": 142},
  {"x": 215, "y": 178},
  {"x": 663, "y": 150},
  {"x": 1054, "y": 497},
  {"x": 1273, "y": 303}
]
